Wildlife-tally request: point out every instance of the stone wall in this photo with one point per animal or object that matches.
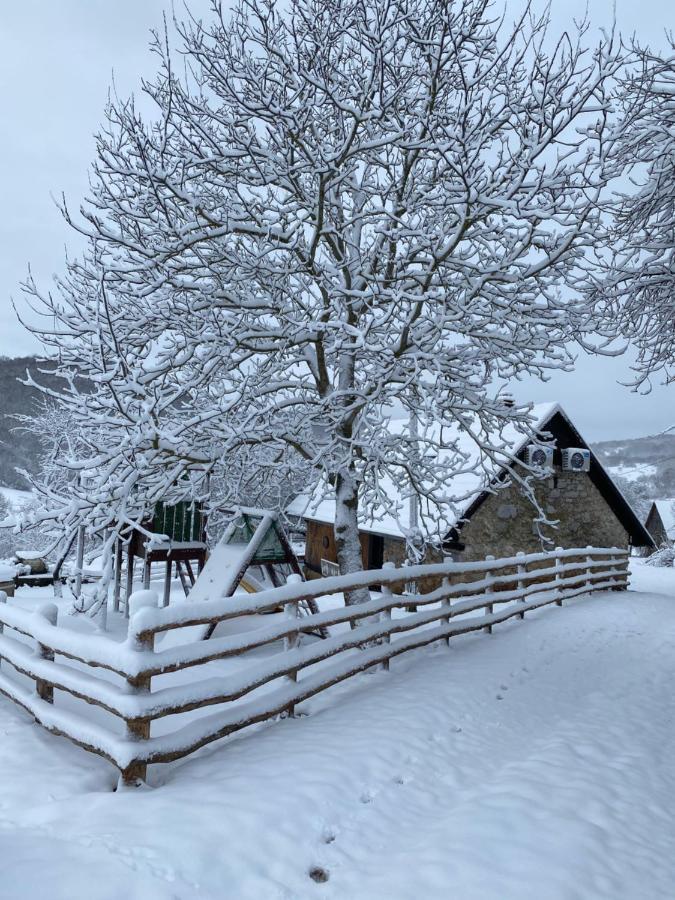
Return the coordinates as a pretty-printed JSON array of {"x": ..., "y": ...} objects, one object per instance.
[{"x": 504, "y": 523}]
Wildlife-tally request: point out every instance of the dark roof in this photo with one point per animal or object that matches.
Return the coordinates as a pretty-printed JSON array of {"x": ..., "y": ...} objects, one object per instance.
[{"x": 566, "y": 435}]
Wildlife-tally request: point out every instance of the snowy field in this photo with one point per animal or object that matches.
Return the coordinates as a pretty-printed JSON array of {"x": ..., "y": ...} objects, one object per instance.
[
  {"x": 15, "y": 497},
  {"x": 536, "y": 763}
]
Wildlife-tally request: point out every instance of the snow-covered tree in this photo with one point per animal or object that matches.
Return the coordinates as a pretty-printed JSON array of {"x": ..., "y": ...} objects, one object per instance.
[
  {"x": 343, "y": 210},
  {"x": 641, "y": 284},
  {"x": 6, "y": 535}
]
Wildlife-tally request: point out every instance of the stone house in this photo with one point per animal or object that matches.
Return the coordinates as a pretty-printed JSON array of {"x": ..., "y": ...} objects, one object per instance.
[
  {"x": 582, "y": 506},
  {"x": 660, "y": 522}
]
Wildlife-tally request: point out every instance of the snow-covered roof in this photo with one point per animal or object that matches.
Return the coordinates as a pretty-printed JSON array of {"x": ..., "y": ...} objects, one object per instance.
[
  {"x": 464, "y": 485},
  {"x": 666, "y": 510}
]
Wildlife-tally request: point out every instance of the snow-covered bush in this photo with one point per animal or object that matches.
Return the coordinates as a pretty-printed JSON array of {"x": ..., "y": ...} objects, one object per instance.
[{"x": 661, "y": 558}]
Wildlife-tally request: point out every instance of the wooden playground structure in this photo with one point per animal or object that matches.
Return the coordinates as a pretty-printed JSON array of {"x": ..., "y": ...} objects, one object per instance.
[
  {"x": 177, "y": 538},
  {"x": 183, "y": 530}
]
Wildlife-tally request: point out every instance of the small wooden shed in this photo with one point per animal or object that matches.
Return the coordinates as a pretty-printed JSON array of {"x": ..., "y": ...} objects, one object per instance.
[{"x": 660, "y": 522}]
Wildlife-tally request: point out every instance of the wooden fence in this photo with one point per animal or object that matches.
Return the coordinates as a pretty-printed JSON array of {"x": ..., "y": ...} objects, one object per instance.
[{"x": 118, "y": 677}]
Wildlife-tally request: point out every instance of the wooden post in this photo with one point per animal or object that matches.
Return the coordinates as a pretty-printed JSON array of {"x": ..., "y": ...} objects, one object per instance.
[
  {"x": 445, "y": 602},
  {"x": 147, "y": 573},
  {"x": 558, "y": 576},
  {"x": 620, "y": 573},
  {"x": 589, "y": 570},
  {"x": 44, "y": 689},
  {"x": 622, "y": 579},
  {"x": 167, "y": 581},
  {"x": 411, "y": 607},
  {"x": 191, "y": 574},
  {"x": 130, "y": 580},
  {"x": 138, "y": 729},
  {"x": 385, "y": 615},
  {"x": 489, "y": 607},
  {"x": 3, "y": 599},
  {"x": 521, "y": 569},
  {"x": 291, "y": 641},
  {"x": 119, "y": 547},
  {"x": 183, "y": 577}
]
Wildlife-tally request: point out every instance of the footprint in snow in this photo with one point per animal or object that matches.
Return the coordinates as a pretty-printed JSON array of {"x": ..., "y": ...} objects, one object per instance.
[{"x": 319, "y": 874}]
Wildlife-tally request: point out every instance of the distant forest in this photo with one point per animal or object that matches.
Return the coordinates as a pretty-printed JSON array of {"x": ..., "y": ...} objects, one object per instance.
[{"x": 18, "y": 448}]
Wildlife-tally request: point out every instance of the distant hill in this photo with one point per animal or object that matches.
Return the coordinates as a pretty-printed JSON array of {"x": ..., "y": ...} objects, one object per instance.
[
  {"x": 644, "y": 467},
  {"x": 17, "y": 448}
]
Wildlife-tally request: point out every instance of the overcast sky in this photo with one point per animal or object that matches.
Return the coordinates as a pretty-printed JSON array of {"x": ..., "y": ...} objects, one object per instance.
[{"x": 57, "y": 60}]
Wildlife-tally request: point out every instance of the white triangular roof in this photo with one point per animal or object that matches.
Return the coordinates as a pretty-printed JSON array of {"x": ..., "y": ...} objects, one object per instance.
[{"x": 461, "y": 488}]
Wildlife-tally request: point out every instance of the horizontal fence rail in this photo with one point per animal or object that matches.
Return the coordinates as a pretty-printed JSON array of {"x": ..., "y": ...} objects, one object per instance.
[{"x": 118, "y": 677}]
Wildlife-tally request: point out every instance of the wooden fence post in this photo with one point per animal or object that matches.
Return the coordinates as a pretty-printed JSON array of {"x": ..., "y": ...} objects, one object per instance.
[
  {"x": 292, "y": 641},
  {"x": 558, "y": 576},
  {"x": 410, "y": 607},
  {"x": 445, "y": 604},
  {"x": 385, "y": 615},
  {"x": 43, "y": 688},
  {"x": 589, "y": 570},
  {"x": 489, "y": 607},
  {"x": 521, "y": 569},
  {"x": 3, "y": 599},
  {"x": 139, "y": 729},
  {"x": 622, "y": 580},
  {"x": 619, "y": 578}
]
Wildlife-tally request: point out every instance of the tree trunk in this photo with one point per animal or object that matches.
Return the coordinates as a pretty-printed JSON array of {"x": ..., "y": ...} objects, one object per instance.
[
  {"x": 347, "y": 542},
  {"x": 58, "y": 592}
]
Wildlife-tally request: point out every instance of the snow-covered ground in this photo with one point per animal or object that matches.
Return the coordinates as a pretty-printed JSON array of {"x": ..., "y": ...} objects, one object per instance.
[
  {"x": 633, "y": 472},
  {"x": 536, "y": 763},
  {"x": 15, "y": 497}
]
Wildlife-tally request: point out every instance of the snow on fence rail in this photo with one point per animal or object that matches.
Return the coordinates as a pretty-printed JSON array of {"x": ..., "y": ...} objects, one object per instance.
[{"x": 60, "y": 659}]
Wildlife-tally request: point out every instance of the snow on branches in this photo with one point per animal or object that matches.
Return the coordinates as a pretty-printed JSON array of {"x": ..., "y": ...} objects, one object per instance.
[
  {"x": 640, "y": 287},
  {"x": 342, "y": 211}
]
